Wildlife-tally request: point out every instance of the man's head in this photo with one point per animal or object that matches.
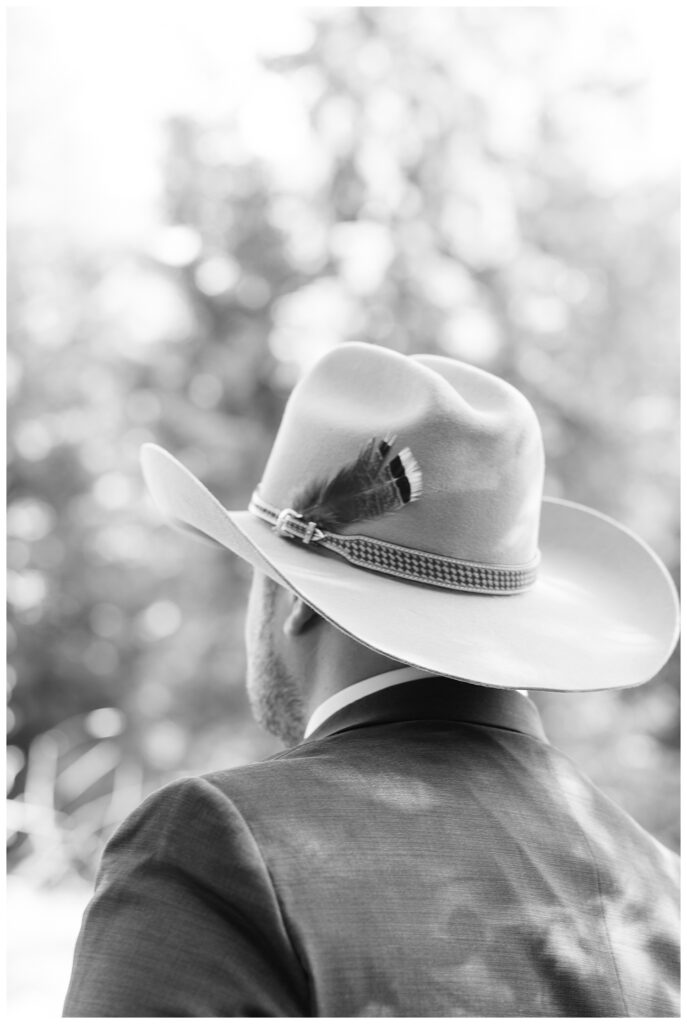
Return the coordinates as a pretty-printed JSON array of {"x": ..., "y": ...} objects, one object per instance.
[{"x": 402, "y": 501}]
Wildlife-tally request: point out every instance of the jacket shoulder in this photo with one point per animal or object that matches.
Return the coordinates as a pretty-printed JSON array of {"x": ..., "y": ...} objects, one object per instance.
[{"x": 182, "y": 891}]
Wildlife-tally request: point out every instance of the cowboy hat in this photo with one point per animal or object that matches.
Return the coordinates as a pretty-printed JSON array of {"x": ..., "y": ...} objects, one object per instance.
[{"x": 402, "y": 500}]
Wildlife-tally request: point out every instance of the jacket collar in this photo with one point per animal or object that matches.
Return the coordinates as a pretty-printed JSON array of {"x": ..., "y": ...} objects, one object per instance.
[{"x": 441, "y": 699}]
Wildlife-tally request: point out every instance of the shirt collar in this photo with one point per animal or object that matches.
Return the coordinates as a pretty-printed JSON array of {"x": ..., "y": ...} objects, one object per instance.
[
  {"x": 359, "y": 690},
  {"x": 422, "y": 695}
]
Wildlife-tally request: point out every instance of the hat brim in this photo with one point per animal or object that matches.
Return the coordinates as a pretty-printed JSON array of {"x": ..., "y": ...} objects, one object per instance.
[{"x": 603, "y": 613}]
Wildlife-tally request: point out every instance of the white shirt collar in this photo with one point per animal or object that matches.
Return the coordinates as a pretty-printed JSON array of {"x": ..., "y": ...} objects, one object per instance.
[{"x": 359, "y": 690}]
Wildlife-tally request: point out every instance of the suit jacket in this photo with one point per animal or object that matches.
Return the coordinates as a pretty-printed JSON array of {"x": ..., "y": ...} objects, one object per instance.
[{"x": 425, "y": 852}]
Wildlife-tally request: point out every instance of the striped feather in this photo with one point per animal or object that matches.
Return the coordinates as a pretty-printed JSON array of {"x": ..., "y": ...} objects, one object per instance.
[{"x": 374, "y": 484}]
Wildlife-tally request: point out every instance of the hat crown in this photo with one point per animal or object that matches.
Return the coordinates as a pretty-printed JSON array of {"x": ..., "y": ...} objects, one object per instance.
[{"x": 476, "y": 439}]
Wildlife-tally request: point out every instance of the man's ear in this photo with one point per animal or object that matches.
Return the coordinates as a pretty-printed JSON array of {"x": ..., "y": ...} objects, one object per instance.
[{"x": 300, "y": 618}]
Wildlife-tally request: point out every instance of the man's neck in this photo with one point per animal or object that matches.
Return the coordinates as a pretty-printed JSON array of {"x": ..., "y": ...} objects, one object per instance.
[{"x": 339, "y": 663}]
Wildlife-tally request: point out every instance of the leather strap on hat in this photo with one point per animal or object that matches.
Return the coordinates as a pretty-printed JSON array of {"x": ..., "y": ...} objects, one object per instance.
[{"x": 396, "y": 560}]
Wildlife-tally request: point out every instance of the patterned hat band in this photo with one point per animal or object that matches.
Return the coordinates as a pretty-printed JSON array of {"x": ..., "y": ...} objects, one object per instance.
[{"x": 395, "y": 560}]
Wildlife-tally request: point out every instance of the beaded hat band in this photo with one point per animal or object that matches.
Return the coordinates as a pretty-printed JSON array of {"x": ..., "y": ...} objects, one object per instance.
[{"x": 396, "y": 560}]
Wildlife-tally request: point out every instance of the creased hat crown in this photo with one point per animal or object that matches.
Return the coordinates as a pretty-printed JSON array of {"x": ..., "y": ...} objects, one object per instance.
[{"x": 475, "y": 438}]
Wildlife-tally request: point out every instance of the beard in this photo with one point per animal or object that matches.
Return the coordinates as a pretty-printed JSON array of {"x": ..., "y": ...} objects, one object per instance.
[{"x": 275, "y": 697}]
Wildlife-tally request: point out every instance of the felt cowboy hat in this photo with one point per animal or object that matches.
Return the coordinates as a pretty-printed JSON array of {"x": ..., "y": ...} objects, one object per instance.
[{"x": 402, "y": 500}]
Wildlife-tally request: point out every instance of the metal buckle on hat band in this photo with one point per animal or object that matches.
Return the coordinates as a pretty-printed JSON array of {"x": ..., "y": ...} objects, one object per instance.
[
  {"x": 401, "y": 562},
  {"x": 289, "y": 523}
]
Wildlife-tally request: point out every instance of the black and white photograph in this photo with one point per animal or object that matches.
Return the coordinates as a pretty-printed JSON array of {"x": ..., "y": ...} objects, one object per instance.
[{"x": 343, "y": 511}]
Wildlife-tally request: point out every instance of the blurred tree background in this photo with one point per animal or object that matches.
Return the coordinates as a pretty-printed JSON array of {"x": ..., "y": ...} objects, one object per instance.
[{"x": 200, "y": 206}]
